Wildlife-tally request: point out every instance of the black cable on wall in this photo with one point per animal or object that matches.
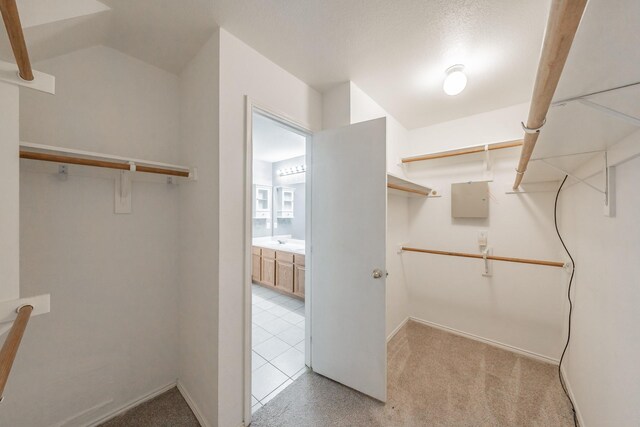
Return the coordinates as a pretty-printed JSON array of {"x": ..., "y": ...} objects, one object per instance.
[{"x": 573, "y": 270}]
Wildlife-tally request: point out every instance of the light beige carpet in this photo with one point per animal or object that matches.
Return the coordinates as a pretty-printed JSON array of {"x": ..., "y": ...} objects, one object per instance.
[{"x": 435, "y": 379}]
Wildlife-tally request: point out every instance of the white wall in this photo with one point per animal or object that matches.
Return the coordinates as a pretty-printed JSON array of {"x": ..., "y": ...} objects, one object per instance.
[
  {"x": 336, "y": 106},
  {"x": 364, "y": 108},
  {"x": 9, "y": 188},
  {"x": 602, "y": 362},
  {"x": 199, "y": 248},
  {"x": 484, "y": 128},
  {"x": 243, "y": 71},
  {"x": 120, "y": 105},
  {"x": 398, "y": 297},
  {"x": 111, "y": 336},
  {"x": 521, "y": 306}
]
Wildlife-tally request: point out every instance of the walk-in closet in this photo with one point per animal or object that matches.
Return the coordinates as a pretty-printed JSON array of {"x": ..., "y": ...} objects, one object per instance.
[{"x": 321, "y": 213}]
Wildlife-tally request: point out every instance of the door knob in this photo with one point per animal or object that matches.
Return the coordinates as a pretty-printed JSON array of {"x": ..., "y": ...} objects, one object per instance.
[{"x": 377, "y": 273}]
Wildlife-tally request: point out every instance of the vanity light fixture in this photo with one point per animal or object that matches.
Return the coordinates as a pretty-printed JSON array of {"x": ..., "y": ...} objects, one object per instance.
[
  {"x": 292, "y": 170},
  {"x": 455, "y": 81}
]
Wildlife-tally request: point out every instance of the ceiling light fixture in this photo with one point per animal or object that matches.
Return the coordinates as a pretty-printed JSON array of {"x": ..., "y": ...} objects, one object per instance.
[
  {"x": 455, "y": 81},
  {"x": 292, "y": 170}
]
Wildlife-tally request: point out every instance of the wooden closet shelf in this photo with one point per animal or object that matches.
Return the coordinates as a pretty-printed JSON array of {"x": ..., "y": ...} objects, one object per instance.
[
  {"x": 405, "y": 187},
  {"x": 85, "y": 158},
  {"x": 463, "y": 151}
]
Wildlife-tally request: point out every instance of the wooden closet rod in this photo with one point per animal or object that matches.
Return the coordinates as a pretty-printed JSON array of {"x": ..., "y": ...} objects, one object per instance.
[
  {"x": 12, "y": 23},
  {"x": 564, "y": 18},
  {"x": 12, "y": 343},
  {"x": 491, "y": 257},
  {"x": 99, "y": 163},
  {"x": 462, "y": 151},
  {"x": 407, "y": 189}
]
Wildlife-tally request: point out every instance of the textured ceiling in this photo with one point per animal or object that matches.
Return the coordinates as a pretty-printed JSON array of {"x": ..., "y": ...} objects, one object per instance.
[{"x": 396, "y": 51}]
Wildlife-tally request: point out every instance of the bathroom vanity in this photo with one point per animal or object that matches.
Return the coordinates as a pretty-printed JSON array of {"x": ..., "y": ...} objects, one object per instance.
[{"x": 279, "y": 266}]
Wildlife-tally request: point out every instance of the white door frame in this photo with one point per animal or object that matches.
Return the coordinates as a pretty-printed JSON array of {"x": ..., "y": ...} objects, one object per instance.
[{"x": 250, "y": 106}]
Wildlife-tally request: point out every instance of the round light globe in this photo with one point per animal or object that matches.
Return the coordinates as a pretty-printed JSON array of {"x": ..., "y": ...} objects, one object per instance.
[{"x": 456, "y": 80}]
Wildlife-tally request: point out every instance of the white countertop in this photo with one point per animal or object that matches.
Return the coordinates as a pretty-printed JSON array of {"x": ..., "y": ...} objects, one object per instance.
[{"x": 290, "y": 245}]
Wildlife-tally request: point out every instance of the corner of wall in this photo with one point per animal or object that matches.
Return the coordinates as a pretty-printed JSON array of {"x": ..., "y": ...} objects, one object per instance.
[
  {"x": 9, "y": 187},
  {"x": 199, "y": 233},
  {"x": 567, "y": 384},
  {"x": 336, "y": 103},
  {"x": 604, "y": 339},
  {"x": 244, "y": 74}
]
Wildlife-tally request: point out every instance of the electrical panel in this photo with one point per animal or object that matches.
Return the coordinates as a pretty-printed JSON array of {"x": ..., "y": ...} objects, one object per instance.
[{"x": 470, "y": 200}]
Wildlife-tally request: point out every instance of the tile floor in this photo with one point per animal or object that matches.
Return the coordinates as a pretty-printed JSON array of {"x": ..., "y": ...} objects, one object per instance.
[{"x": 277, "y": 343}]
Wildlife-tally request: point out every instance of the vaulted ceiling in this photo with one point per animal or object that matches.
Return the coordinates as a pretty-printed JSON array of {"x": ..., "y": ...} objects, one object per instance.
[{"x": 164, "y": 33}]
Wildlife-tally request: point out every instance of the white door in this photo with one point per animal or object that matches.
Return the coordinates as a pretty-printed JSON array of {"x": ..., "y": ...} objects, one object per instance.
[{"x": 348, "y": 232}]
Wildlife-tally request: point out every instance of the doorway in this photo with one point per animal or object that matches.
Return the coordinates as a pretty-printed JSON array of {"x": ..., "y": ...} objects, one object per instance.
[
  {"x": 342, "y": 284},
  {"x": 277, "y": 215}
]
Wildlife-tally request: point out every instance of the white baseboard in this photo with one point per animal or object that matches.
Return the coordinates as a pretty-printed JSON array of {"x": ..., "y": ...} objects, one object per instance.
[
  {"x": 131, "y": 404},
  {"x": 395, "y": 331},
  {"x": 194, "y": 408},
  {"x": 491, "y": 342},
  {"x": 76, "y": 419},
  {"x": 581, "y": 422}
]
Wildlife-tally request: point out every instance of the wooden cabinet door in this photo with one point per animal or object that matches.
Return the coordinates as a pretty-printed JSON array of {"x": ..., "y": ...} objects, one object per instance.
[
  {"x": 268, "y": 271},
  {"x": 298, "y": 280},
  {"x": 284, "y": 280},
  {"x": 255, "y": 267}
]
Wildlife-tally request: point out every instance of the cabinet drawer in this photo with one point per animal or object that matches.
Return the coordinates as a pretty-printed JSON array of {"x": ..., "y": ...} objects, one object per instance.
[
  {"x": 284, "y": 256},
  {"x": 256, "y": 250},
  {"x": 268, "y": 253},
  {"x": 299, "y": 259}
]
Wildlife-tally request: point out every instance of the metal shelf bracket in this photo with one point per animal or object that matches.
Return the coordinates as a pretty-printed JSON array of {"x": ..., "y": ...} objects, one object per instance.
[{"x": 609, "y": 182}]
